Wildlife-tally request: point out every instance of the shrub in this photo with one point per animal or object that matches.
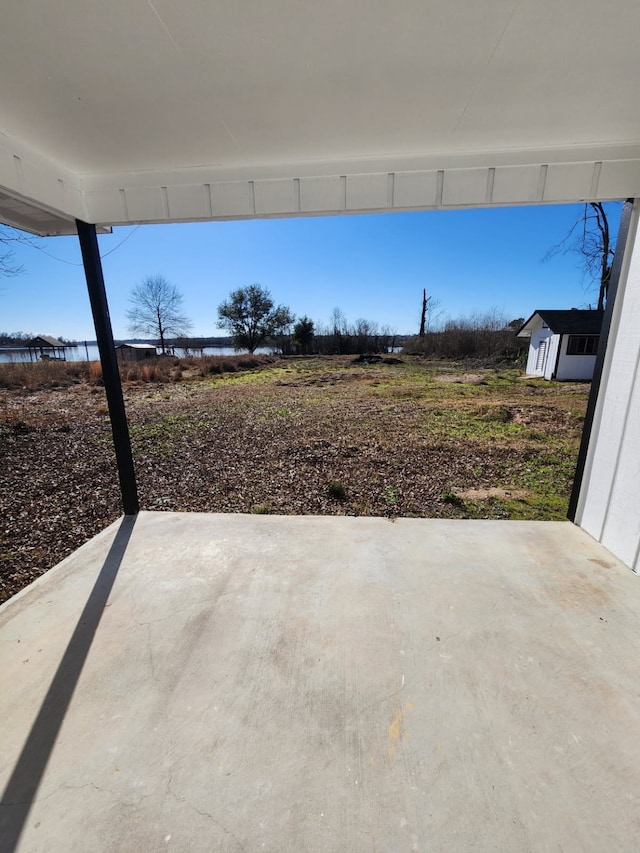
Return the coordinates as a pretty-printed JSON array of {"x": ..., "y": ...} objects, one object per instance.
[
  {"x": 42, "y": 374},
  {"x": 216, "y": 364},
  {"x": 337, "y": 490},
  {"x": 451, "y": 498},
  {"x": 95, "y": 373},
  {"x": 152, "y": 370},
  {"x": 261, "y": 509},
  {"x": 481, "y": 336}
]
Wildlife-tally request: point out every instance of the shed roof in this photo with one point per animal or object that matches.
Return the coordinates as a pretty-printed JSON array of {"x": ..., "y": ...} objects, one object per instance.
[
  {"x": 137, "y": 112},
  {"x": 567, "y": 322},
  {"x": 46, "y": 341},
  {"x": 136, "y": 346}
]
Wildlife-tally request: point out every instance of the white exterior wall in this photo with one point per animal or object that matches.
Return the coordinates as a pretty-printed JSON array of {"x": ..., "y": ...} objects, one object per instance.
[
  {"x": 609, "y": 503},
  {"x": 538, "y": 335},
  {"x": 551, "y": 356},
  {"x": 576, "y": 367}
]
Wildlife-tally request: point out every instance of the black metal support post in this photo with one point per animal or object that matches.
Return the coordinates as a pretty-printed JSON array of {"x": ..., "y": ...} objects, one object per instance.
[
  {"x": 110, "y": 374},
  {"x": 621, "y": 243}
]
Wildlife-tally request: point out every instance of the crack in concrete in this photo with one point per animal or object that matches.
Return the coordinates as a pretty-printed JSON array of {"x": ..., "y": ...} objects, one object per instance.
[
  {"x": 204, "y": 814},
  {"x": 65, "y": 788},
  {"x": 386, "y": 698}
]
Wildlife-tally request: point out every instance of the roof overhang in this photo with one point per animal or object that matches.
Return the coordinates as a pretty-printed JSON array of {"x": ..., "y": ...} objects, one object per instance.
[
  {"x": 133, "y": 112},
  {"x": 563, "y": 322}
]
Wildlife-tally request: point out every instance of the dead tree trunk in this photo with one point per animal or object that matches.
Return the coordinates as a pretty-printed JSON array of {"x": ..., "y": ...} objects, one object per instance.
[
  {"x": 605, "y": 265},
  {"x": 423, "y": 316}
]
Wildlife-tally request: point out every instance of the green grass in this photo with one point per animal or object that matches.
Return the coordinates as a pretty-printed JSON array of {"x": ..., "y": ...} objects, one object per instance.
[
  {"x": 360, "y": 423},
  {"x": 471, "y": 423},
  {"x": 532, "y": 508},
  {"x": 163, "y": 436}
]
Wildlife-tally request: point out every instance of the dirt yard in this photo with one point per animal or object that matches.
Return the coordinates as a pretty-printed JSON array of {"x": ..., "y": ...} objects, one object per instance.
[{"x": 318, "y": 436}]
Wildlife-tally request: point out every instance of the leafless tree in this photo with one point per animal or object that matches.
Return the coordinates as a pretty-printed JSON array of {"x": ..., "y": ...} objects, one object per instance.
[
  {"x": 338, "y": 322},
  {"x": 429, "y": 313},
  {"x": 9, "y": 239},
  {"x": 157, "y": 310},
  {"x": 593, "y": 237}
]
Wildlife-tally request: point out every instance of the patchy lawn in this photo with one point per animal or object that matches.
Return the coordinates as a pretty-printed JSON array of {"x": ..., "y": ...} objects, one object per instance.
[{"x": 318, "y": 436}]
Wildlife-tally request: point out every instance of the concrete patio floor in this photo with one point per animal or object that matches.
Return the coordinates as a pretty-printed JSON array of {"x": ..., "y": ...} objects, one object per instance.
[{"x": 196, "y": 682}]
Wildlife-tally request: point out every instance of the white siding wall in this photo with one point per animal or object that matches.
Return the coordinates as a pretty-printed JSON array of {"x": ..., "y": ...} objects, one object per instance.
[
  {"x": 609, "y": 504},
  {"x": 552, "y": 355},
  {"x": 574, "y": 366},
  {"x": 538, "y": 335}
]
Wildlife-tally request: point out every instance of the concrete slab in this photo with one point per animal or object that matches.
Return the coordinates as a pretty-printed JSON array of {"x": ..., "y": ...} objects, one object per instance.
[{"x": 242, "y": 683}]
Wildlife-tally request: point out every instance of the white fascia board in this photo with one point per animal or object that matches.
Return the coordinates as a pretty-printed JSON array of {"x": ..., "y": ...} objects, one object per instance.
[
  {"x": 307, "y": 189},
  {"x": 32, "y": 178},
  {"x": 365, "y": 185}
]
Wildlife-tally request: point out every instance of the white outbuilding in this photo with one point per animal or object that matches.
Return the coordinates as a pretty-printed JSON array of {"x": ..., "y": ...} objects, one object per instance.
[{"x": 563, "y": 345}]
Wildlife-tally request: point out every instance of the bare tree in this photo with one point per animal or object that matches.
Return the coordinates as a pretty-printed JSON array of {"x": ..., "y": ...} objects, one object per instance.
[
  {"x": 157, "y": 310},
  {"x": 338, "y": 322},
  {"x": 591, "y": 236},
  {"x": 423, "y": 313},
  {"x": 9, "y": 239},
  {"x": 429, "y": 313}
]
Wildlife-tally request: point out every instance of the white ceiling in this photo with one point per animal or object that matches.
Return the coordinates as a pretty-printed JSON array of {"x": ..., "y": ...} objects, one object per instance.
[{"x": 154, "y": 110}]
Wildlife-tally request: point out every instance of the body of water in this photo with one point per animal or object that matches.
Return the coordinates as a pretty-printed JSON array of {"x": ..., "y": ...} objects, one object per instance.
[{"x": 90, "y": 353}]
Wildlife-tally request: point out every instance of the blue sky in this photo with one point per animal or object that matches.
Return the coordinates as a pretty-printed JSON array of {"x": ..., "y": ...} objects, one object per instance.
[{"x": 371, "y": 267}]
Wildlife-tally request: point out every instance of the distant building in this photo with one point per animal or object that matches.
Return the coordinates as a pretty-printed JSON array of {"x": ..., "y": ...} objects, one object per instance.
[
  {"x": 47, "y": 349},
  {"x": 135, "y": 352},
  {"x": 562, "y": 344}
]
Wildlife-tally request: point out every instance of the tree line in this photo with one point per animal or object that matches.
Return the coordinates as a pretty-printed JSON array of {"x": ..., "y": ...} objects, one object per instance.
[
  {"x": 22, "y": 339},
  {"x": 488, "y": 336},
  {"x": 253, "y": 320}
]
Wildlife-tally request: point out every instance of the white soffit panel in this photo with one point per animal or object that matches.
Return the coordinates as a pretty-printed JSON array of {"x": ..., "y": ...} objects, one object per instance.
[
  {"x": 131, "y": 111},
  {"x": 35, "y": 220}
]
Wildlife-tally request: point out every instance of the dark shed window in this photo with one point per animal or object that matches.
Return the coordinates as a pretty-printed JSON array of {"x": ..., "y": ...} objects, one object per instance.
[{"x": 582, "y": 344}]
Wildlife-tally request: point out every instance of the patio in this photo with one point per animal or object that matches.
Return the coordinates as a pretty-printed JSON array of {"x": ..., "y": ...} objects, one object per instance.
[{"x": 226, "y": 682}]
